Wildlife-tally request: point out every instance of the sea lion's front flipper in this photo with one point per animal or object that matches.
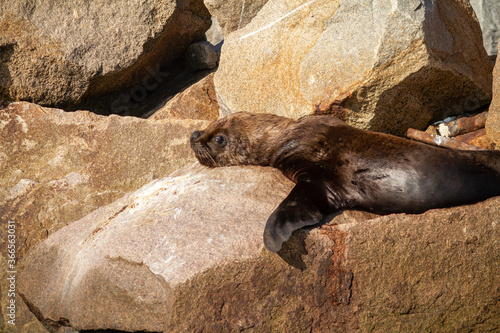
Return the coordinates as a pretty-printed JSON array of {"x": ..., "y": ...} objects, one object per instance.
[{"x": 306, "y": 205}]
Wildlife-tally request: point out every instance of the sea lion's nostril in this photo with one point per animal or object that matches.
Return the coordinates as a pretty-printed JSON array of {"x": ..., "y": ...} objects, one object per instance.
[{"x": 195, "y": 135}]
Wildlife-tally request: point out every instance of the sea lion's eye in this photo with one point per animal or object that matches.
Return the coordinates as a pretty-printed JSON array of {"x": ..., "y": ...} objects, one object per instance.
[{"x": 220, "y": 140}]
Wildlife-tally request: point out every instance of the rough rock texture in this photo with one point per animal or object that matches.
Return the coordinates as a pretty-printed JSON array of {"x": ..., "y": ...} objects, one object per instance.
[
  {"x": 433, "y": 272},
  {"x": 196, "y": 102},
  {"x": 185, "y": 254},
  {"x": 493, "y": 121},
  {"x": 56, "y": 167},
  {"x": 55, "y": 53},
  {"x": 233, "y": 15},
  {"x": 59, "y": 166},
  {"x": 25, "y": 321},
  {"x": 128, "y": 259},
  {"x": 488, "y": 14},
  {"x": 384, "y": 66}
]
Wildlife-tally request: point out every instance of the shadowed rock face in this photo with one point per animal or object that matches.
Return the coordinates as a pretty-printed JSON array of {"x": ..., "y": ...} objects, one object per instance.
[
  {"x": 56, "y": 53},
  {"x": 185, "y": 253},
  {"x": 196, "y": 102},
  {"x": 383, "y": 66}
]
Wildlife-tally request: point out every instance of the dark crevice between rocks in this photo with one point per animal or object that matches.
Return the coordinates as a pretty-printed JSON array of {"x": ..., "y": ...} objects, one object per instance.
[
  {"x": 151, "y": 86},
  {"x": 155, "y": 89},
  {"x": 6, "y": 52},
  {"x": 50, "y": 325}
]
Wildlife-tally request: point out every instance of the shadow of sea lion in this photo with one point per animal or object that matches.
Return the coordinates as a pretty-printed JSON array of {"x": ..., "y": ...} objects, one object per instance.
[{"x": 294, "y": 249}]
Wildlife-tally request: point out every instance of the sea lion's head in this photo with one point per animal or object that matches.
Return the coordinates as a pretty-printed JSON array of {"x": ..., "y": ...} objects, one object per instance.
[{"x": 239, "y": 139}]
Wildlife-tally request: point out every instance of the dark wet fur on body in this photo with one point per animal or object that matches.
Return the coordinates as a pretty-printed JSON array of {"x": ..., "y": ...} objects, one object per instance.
[{"x": 336, "y": 166}]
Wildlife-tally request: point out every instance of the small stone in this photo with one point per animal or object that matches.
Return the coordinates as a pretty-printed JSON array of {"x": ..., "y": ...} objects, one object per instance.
[{"x": 201, "y": 55}]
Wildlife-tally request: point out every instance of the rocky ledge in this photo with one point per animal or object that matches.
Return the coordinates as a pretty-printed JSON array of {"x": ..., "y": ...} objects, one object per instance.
[{"x": 185, "y": 254}]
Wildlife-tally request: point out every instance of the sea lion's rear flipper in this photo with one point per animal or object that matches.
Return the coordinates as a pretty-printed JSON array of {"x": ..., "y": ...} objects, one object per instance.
[{"x": 306, "y": 205}]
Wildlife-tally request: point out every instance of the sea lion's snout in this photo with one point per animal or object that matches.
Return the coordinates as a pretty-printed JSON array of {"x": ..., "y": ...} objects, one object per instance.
[
  {"x": 200, "y": 148},
  {"x": 195, "y": 135}
]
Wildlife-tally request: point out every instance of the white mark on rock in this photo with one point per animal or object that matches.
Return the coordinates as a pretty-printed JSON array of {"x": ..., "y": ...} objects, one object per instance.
[
  {"x": 24, "y": 126},
  {"x": 154, "y": 249},
  {"x": 163, "y": 260},
  {"x": 56, "y": 161},
  {"x": 28, "y": 144},
  {"x": 274, "y": 22},
  {"x": 312, "y": 79},
  {"x": 177, "y": 213},
  {"x": 241, "y": 14},
  {"x": 148, "y": 192},
  {"x": 3, "y": 123},
  {"x": 21, "y": 188},
  {"x": 75, "y": 275},
  {"x": 71, "y": 180}
]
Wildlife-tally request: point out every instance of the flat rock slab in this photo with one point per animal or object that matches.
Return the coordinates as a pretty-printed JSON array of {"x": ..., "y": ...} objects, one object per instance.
[
  {"x": 127, "y": 259},
  {"x": 185, "y": 254}
]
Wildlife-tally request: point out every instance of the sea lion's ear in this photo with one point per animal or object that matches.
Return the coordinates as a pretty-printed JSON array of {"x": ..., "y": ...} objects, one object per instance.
[{"x": 306, "y": 205}]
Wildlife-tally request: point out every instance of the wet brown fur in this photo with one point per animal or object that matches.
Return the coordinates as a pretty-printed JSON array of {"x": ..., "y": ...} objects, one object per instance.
[
  {"x": 337, "y": 166},
  {"x": 251, "y": 138}
]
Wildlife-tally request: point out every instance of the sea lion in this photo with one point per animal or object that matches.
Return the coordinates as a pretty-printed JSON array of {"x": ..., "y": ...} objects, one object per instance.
[{"x": 336, "y": 166}]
